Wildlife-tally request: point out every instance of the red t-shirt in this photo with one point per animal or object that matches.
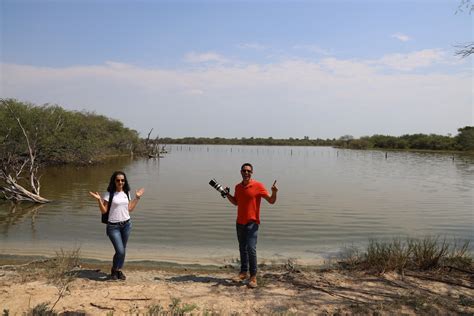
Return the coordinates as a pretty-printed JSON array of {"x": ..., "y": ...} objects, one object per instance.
[{"x": 248, "y": 201}]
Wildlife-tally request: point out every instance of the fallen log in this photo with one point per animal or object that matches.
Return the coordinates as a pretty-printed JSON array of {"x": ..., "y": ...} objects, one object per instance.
[{"x": 15, "y": 192}]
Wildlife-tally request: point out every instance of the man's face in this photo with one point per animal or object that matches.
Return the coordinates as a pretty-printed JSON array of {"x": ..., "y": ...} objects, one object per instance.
[{"x": 246, "y": 172}]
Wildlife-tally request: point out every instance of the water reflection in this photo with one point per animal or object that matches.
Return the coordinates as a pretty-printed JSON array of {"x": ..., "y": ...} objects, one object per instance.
[{"x": 13, "y": 213}]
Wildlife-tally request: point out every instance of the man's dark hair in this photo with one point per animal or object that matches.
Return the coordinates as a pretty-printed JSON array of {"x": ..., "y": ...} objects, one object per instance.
[{"x": 246, "y": 164}]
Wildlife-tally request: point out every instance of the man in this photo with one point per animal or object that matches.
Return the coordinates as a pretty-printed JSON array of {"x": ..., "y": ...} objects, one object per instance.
[{"x": 248, "y": 195}]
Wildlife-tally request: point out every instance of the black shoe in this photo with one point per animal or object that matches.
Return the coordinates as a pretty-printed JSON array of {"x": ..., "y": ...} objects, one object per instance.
[
  {"x": 120, "y": 275},
  {"x": 113, "y": 274}
]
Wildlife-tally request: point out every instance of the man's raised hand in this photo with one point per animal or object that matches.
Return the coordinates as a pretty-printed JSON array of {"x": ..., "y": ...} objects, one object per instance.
[{"x": 274, "y": 188}]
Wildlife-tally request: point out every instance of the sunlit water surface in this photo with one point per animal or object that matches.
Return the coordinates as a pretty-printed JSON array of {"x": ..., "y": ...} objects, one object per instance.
[{"x": 328, "y": 199}]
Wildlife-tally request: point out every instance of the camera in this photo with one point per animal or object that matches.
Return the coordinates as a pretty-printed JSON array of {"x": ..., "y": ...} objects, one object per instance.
[{"x": 223, "y": 191}]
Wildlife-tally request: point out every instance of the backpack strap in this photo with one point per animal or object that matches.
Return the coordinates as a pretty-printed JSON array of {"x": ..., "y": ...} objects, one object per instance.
[
  {"x": 109, "y": 204},
  {"x": 105, "y": 217}
]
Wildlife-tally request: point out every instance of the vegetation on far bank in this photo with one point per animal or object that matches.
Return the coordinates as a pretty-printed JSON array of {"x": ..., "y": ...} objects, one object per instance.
[{"x": 464, "y": 141}]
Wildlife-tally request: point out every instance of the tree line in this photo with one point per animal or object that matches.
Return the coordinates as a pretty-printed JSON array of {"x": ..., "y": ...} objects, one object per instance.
[
  {"x": 270, "y": 141},
  {"x": 464, "y": 141}
]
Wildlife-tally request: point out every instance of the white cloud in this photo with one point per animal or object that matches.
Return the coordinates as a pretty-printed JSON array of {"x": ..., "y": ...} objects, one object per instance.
[
  {"x": 254, "y": 46},
  {"x": 402, "y": 37},
  {"x": 328, "y": 98},
  {"x": 204, "y": 58},
  {"x": 347, "y": 68},
  {"x": 411, "y": 61},
  {"x": 118, "y": 66}
]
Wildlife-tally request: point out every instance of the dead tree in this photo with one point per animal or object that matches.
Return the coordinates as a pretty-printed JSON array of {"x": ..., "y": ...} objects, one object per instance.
[
  {"x": 466, "y": 49},
  {"x": 152, "y": 146},
  {"x": 19, "y": 170}
]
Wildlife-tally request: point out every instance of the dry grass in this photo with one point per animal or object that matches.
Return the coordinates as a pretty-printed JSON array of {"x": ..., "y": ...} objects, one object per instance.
[
  {"x": 59, "y": 271},
  {"x": 429, "y": 253}
]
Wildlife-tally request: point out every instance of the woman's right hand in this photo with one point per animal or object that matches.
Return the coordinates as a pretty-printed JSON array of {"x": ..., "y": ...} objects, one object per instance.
[{"x": 95, "y": 195}]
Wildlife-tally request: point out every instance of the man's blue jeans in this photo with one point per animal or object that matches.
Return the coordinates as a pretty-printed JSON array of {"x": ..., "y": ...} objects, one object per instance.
[
  {"x": 247, "y": 236},
  {"x": 118, "y": 235}
]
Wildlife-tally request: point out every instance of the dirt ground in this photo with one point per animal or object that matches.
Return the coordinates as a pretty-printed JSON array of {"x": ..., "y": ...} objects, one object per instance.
[{"x": 282, "y": 291}]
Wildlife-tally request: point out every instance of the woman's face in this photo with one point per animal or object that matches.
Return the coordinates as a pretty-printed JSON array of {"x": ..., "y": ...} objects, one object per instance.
[{"x": 119, "y": 181}]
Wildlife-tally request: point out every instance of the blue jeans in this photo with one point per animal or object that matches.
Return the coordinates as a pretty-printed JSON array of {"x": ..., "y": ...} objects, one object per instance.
[
  {"x": 118, "y": 235},
  {"x": 247, "y": 236}
]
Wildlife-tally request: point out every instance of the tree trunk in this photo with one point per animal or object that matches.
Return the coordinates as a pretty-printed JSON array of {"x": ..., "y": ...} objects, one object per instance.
[{"x": 15, "y": 192}]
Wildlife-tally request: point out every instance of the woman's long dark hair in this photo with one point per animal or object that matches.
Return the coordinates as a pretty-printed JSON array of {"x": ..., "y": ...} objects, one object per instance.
[{"x": 112, "y": 188}]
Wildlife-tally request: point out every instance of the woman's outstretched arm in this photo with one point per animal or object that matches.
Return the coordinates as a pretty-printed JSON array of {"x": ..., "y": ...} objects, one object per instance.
[
  {"x": 134, "y": 202},
  {"x": 102, "y": 203}
]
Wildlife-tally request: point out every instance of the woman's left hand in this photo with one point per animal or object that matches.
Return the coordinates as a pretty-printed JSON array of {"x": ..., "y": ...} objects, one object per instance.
[{"x": 139, "y": 193}]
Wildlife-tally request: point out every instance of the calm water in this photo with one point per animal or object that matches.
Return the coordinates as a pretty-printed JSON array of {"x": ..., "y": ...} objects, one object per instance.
[{"x": 328, "y": 199}]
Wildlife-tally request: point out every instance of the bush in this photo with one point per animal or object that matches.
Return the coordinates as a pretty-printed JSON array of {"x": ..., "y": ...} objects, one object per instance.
[
  {"x": 415, "y": 254},
  {"x": 61, "y": 136},
  {"x": 60, "y": 270}
]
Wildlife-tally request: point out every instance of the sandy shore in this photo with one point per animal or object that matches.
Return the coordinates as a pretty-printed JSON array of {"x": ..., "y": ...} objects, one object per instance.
[{"x": 207, "y": 290}]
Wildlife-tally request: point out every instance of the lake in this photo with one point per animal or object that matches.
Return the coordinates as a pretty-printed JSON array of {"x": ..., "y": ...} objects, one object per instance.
[{"x": 328, "y": 199}]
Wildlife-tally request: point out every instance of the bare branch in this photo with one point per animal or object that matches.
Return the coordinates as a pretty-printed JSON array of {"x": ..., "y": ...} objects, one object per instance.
[
  {"x": 20, "y": 192},
  {"x": 14, "y": 163},
  {"x": 30, "y": 150},
  {"x": 465, "y": 50},
  {"x": 148, "y": 137},
  {"x": 465, "y": 5},
  {"x": 20, "y": 170}
]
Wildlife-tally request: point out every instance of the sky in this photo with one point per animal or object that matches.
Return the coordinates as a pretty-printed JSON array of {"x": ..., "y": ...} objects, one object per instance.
[{"x": 280, "y": 69}]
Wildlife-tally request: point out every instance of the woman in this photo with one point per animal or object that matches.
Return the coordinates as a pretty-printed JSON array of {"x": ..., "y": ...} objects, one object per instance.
[{"x": 118, "y": 222}]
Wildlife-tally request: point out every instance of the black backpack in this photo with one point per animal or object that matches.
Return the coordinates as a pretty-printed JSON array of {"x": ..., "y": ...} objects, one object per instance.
[{"x": 105, "y": 216}]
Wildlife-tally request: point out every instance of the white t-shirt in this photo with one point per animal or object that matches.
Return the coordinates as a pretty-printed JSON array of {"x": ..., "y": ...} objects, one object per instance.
[{"x": 119, "y": 207}]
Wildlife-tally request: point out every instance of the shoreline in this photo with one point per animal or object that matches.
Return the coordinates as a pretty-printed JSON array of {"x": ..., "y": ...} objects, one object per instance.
[
  {"x": 160, "y": 288},
  {"x": 439, "y": 151},
  {"x": 209, "y": 255},
  {"x": 22, "y": 257}
]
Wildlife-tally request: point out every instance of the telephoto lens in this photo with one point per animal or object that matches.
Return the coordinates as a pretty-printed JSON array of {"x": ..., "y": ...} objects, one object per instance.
[{"x": 213, "y": 183}]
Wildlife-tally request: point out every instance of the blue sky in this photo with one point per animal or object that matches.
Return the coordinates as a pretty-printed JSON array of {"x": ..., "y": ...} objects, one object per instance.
[{"x": 244, "y": 68}]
